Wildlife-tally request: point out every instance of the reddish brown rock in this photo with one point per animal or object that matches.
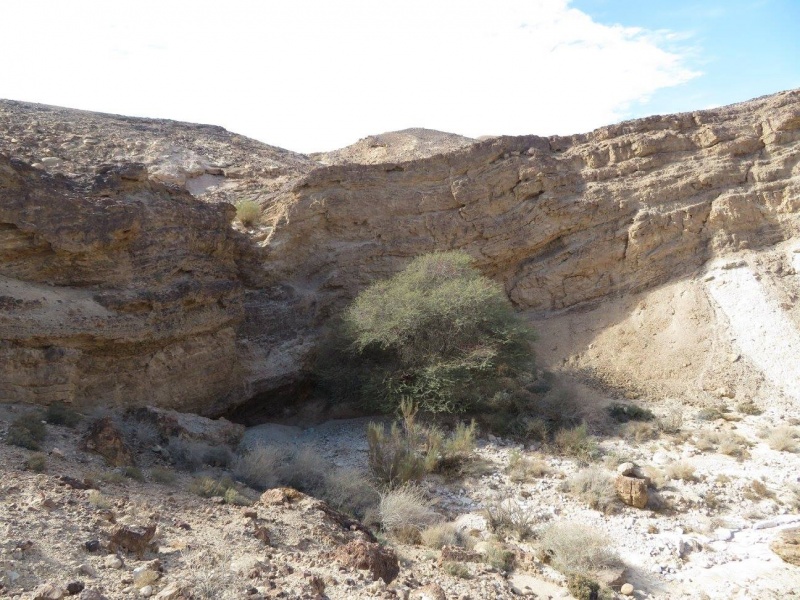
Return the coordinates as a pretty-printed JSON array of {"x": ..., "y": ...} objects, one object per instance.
[
  {"x": 134, "y": 540},
  {"x": 105, "y": 438},
  {"x": 631, "y": 491},
  {"x": 379, "y": 561}
]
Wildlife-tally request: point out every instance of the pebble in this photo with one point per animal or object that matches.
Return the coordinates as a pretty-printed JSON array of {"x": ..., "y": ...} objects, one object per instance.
[
  {"x": 626, "y": 590},
  {"x": 146, "y": 591},
  {"x": 112, "y": 561}
]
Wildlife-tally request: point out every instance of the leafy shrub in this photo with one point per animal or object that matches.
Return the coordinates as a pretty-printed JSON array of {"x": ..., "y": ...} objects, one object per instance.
[
  {"x": 36, "y": 462},
  {"x": 499, "y": 557},
  {"x": 595, "y": 487},
  {"x": 27, "y": 431},
  {"x": 59, "y": 413},
  {"x": 456, "y": 569},
  {"x": 439, "y": 332},
  {"x": 582, "y": 587},
  {"x": 248, "y": 212},
  {"x": 571, "y": 547},
  {"x": 622, "y": 413}
]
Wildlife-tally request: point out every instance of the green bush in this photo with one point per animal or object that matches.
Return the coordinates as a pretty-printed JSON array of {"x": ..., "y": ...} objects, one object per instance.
[
  {"x": 439, "y": 333},
  {"x": 248, "y": 212},
  {"x": 622, "y": 413},
  {"x": 27, "y": 431},
  {"x": 59, "y": 413}
]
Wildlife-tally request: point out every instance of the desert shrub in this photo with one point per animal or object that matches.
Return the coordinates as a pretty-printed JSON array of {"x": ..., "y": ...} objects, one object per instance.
[
  {"x": 259, "y": 467},
  {"x": 36, "y": 462},
  {"x": 347, "y": 490},
  {"x": 27, "y": 431},
  {"x": 577, "y": 442},
  {"x": 523, "y": 468},
  {"x": 59, "y": 413},
  {"x": 711, "y": 413},
  {"x": 510, "y": 516},
  {"x": 682, "y": 470},
  {"x": 641, "y": 431},
  {"x": 248, "y": 212},
  {"x": 405, "y": 509},
  {"x": 575, "y": 548},
  {"x": 112, "y": 476},
  {"x": 134, "y": 473},
  {"x": 582, "y": 587},
  {"x": 783, "y": 439},
  {"x": 223, "y": 487},
  {"x": 98, "y": 500},
  {"x": 622, "y": 413},
  {"x": 137, "y": 433},
  {"x": 189, "y": 455},
  {"x": 671, "y": 421},
  {"x": 595, "y": 487},
  {"x": 439, "y": 333},
  {"x": 408, "y": 450},
  {"x": 163, "y": 475},
  {"x": 748, "y": 407},
  {"x": 734, "y": 445},
  {"x": 499, "y": 557},
  {"x": 757, "y": 490},
  {"x": 456, "y": 569},
  {"x": 441, "y": 534}
]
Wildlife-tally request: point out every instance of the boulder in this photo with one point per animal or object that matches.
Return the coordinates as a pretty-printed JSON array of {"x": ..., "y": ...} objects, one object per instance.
[
  {"x": 135, "y": 540},
  {"x": 105, "y": 438},
  {"x": 631, "y": 491},
  {"x": 381, "y": 562}
]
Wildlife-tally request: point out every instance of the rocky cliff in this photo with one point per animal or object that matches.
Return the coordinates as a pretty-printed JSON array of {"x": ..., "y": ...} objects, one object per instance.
[{"x": 121, "y": 284}]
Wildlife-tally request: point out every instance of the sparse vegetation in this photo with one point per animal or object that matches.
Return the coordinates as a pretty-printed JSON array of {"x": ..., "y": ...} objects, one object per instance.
[
  {"x": 757, "y": 490},
  {"x": 499, "y": 557},
  {"x": 582, "y": 587},
  {"x": 36, "y": 462},
  {"x": 641, "y": 431},
  {"x": 748, "y": 407},
  {"x": 59, "y": 413},
  {"x": 574, "y": 548},
  {"x": 224, "y": 487},
  {"x": 134, "y": 473},
  {"x": 440, "y": 535},
  {"x": 595, "y": 487},
  {"x": 405, "y": 509},
  {"x": 27, "y": 431},
  {"x": 622, "y": 413},
  {"x": 525, "y": 468},
  {"x": 163, "y": 475},
  {"x": 248, "y": 212},
  {"x": 510, "y": 516},
  {"x": 671, "y": 421},
  {"x": 577, "y": 442},
  {"x": 438, "y": 333},
  {"x": 681, "y": 470},
  {"x": 783, "y": 439},
  {"x": 456, "y": 569},
  {"x": 98, "y": 500}
]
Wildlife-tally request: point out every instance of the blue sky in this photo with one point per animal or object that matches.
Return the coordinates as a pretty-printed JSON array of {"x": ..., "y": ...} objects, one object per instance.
[
  {"x": 743, "y": 48},
  {"x": 313, "y": 75}
]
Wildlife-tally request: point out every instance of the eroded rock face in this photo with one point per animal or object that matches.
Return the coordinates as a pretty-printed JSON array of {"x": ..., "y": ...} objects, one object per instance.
[{"x": 117, "y": 286}]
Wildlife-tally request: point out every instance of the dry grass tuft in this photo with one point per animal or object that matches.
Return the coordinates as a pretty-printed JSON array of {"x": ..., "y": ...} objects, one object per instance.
[
  {"x": 595, "y": 487},
  {"x": 574, "y": 548},
  {"x": 783, "y": 439},
  {"x": 681, "y": 470},
  {"x": 404, "y": 509},
  {"x": 524, "y": 468}
]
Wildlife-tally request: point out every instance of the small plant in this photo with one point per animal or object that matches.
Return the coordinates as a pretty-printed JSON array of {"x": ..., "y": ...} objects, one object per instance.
[
  {"x": 711, "y": 413},
  {"x": 191, "y": 455},
  {"x": 112, "y": 477},
  {"x": 681, "y": 470},
  {"x": 259, "y": 467},
  {"x": 757, "y": 490},
  {"x": 456, "y": 569},
  {"x": 248, "y": 212},
  {"x": 582, "y": 587},
  {"x": 783, "y": 439},
  {"x": 734, "y": 445},
  {"x": 499, "y": 557},
  {"x": 98, "y": 500},
  {"x": 595, "y": 487},
  {"x": 622, "y": 413},
  {"x": 577, "y": 442},
  {"x": 405, "y": 508},
  {"x": 27, "y": 431},
  {"x": 510, "y": 516},
  {"x": 349, "y": 491},
  {"x": 59, "y": 413},
  {"x": 571, "y": 547},
  {"x": 748, "y": 407},
  {"x": 522, "y": 468},
  {"x": 134, "y": 473},
  {"x": 641, "y": 431},
  {"x": 36, "y": 462},
  {"x": 671, "y": 421},
  {"x": 440, "y": 535},
  {"x": 163, "y": 475},
  {"x": 392, "y": 456}
]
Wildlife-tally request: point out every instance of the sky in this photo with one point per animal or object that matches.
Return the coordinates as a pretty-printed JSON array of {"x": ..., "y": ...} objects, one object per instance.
[{"x": 315, "y": 75}]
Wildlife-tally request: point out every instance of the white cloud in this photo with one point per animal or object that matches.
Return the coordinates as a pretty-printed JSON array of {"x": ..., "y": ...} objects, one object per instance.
[{"x": 317, "y": 74}]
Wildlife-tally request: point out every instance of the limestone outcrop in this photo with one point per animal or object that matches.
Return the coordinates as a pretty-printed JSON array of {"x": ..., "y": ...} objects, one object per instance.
[{"x": 123, "y": 284}]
